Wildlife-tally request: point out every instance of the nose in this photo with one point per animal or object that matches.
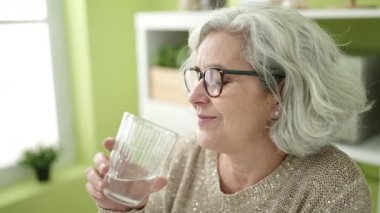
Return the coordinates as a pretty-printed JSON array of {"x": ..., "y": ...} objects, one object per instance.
[{"x": 198, "y": 95}]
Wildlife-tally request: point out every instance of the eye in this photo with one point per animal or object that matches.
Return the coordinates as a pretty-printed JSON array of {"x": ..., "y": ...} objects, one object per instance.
[
  {"x": 226, "y": 82},
  {"x": 227, "y": 79}
]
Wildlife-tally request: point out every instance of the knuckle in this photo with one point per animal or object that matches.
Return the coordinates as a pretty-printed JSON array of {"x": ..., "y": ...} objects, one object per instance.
[
  {"x": 88, "y": 170},
  {"x": 98, "y": 158},
  {"x": 90, "y": 189},
  {"x": 90, "y": 174},
  {"x": 95, "y": 194},
  {"x": 103, "y": 168},
  {"x": 93, "y": 177}
]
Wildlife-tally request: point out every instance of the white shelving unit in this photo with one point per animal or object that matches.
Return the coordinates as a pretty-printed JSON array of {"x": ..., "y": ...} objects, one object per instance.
[{"x": 155, "y": 28}]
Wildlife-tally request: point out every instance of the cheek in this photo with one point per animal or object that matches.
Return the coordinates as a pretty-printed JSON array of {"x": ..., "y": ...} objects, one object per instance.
[{"x": 248, "y": 112}]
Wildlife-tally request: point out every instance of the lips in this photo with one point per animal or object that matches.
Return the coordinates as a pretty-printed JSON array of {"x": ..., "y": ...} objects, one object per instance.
[{"x": 205, "y": 119}]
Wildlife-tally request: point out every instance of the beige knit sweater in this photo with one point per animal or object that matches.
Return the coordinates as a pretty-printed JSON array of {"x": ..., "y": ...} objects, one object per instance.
[{"x": 328, "y": 181}]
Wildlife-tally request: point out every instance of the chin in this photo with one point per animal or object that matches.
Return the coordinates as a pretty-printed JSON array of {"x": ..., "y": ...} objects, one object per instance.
[{"x": 206, "y": 141}]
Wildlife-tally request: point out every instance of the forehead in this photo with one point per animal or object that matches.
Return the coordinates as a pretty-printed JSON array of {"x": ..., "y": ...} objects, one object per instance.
[{"x": 221, "y": 48}]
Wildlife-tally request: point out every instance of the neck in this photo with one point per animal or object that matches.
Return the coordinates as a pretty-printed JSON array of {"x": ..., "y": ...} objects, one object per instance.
[{"x": 240, "y": 170}]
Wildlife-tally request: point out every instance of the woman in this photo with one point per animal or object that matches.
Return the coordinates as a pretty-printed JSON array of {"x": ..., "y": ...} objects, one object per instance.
[{"x": 266, "y": 86}]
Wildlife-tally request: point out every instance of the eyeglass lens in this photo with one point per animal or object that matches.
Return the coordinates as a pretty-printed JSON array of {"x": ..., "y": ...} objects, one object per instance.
[{"x": 212, "y": 80}]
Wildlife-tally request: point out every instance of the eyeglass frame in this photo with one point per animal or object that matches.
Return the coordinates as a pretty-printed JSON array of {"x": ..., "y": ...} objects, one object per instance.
[{"x": 222, "y": 72}]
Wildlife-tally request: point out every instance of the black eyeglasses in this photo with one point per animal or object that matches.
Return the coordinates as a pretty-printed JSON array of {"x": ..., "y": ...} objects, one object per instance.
[{"x": 213, "y": 78}]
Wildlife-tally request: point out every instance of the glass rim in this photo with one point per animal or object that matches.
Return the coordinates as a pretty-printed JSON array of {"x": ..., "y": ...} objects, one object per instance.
[{"x": 151, "y": 123}]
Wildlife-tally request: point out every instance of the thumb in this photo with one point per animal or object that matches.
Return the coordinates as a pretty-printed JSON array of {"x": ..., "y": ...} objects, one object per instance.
[{"x": 158, "y": 184}]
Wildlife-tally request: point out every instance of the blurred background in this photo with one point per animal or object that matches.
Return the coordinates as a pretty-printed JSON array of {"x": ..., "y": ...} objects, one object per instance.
[{"x": 69, "y": 69}]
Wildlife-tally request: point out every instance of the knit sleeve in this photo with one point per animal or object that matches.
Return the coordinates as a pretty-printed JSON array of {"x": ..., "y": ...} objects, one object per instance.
[
  {"x": 354, "y": 197},
  {"x": 148, "y": 208}
]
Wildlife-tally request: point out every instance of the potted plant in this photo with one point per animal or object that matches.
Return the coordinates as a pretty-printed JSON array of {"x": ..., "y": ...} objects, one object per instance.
[
  {"x": 40, "y": 160},
  {"x": 166, "y": 81},
  {"x": 171, "y": 55}
]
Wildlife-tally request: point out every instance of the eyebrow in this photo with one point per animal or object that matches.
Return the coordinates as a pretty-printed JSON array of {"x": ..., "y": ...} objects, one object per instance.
[{"x": 212, "y": 65}]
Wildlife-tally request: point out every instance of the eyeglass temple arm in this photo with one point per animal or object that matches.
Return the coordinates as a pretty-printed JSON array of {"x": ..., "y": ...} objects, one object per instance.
[{"x": 252, "y": 72}]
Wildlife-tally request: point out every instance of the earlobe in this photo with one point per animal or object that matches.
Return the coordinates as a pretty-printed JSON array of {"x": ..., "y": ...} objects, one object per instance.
[
  {"x": 276, "y": 114},
  {"x": 276, "y": 111}
]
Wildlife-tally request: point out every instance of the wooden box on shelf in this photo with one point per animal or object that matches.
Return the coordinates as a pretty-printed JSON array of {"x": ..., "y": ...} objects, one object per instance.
[{"x": 166, "y": 84}]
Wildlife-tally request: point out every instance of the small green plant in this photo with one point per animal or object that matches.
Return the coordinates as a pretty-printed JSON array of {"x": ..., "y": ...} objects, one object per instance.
[
  {"x": 40, "y": 160},
  {"x": 171, "y": 55}
]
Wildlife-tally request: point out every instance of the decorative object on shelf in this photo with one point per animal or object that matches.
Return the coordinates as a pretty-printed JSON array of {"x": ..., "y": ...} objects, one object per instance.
[
  {"x": 299, "y": 4},
  {"x": 201, "y": 4},
  {"x": 213, "y": 4},
  {"x": 166, "y": 80},
  {"x": 352, "y": 3},
  {"x": 248, "y": 3},
  {"x": 40, "y": 160},
  {"x": 190, "y": 4},
  {"x": 245, "y": 3}
]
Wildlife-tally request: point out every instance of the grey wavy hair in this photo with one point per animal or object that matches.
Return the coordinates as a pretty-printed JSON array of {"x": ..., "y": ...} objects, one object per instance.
[{"x": 317, "y": 97}]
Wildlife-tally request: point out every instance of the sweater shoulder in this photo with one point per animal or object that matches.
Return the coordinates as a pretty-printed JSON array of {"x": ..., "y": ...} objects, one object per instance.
[
  {"x": 329, "y": 170},
  {"x": 328, "y": 179},
  {"x": 332, "y": 162}
]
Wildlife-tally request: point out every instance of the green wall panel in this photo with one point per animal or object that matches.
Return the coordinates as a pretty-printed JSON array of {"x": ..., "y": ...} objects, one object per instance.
[
  {"x": 360, "y": 36},
  {"x": 81, "y": 77},
  {"x": 372, "y": 175},
  {"x": 113, "y": 63}
]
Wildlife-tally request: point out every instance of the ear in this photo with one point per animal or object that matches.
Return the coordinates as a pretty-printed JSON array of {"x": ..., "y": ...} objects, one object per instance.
[{"x": 275, "y": 114}]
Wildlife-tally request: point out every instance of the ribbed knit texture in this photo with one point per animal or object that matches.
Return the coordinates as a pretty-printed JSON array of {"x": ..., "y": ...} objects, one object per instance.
[{"x": 327, "y": 181}]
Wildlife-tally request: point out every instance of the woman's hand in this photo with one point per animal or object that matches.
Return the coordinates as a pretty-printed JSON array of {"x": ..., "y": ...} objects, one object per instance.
[{"x": 95, "y": 181}]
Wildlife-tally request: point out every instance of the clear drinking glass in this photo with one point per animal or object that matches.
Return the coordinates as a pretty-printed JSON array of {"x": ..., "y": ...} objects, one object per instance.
[{"x": 136, "y": 159}]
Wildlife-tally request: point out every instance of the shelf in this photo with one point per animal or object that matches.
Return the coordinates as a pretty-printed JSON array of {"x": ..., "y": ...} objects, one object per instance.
[
  {"x": 186, "y": 20},
  {"x": 341, "y": 13}
]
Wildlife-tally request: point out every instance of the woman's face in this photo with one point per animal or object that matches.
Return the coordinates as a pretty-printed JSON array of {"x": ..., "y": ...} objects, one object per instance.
[{"x": 239, "y": 117}]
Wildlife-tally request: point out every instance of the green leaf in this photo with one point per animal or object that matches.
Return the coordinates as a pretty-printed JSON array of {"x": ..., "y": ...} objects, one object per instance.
[
  {"x": 42, "y": 157},
  {"x": 171, "y": 55}
]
